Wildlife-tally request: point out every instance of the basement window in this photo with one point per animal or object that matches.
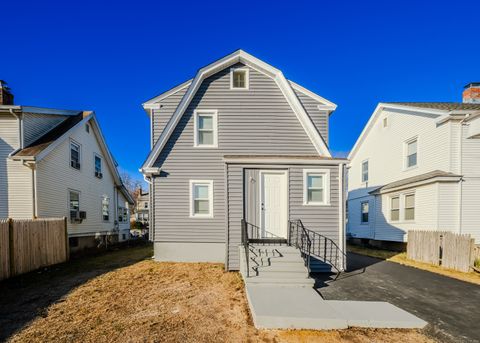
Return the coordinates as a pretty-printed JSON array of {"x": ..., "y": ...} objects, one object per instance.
[{"x": 239, "y": 78}]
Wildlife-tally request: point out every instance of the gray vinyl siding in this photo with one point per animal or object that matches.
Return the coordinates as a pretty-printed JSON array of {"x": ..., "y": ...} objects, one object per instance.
[
  {"x": 36, "y": 125},
  {"x": 321, "y": 219},
  {"x": 162, "y": 116},
  {"x": 257, "y": 121},
  {"x": 319, "y": 118}
]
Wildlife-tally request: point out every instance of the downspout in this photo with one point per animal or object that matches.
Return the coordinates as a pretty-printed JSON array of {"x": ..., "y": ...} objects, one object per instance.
[
  {"x": 33, "y": 167},
  {"x": 460, "y": 167}
]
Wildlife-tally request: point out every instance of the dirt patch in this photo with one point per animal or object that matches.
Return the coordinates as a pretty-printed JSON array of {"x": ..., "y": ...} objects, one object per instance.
[
  {"x": 401, "y": 258},
  {"x": 149, "y": 301}
]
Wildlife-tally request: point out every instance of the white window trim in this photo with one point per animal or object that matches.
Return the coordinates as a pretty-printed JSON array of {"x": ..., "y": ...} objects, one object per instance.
[
  {"x": 210, "y": 198},
  {"x": 247, "y": 79},
  {"x": 399, "y": 196},
  {"x": 79, "y": 154},
  {"x": 368, "y": 171},
  {"x": 69, "y": 190},
  {"x": 405, "y": 153},
  {"x": 361, "y": 212},
  {"x": 326, "y": 185},
  {"x": 109, "y": 211},
  {"x": 214, "y": 114}
]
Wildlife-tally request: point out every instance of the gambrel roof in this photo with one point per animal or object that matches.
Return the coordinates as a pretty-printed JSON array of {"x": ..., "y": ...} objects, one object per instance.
[{"x": 238, "y": 56}]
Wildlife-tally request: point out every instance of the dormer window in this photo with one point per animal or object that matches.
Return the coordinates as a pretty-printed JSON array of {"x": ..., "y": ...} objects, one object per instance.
[{"x": 239, "y": 78}]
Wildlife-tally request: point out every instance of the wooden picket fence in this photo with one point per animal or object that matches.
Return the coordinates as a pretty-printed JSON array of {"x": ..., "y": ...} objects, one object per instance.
[
  {"x": 441, "y": 248},
  {"x": 26, "y": 245}
]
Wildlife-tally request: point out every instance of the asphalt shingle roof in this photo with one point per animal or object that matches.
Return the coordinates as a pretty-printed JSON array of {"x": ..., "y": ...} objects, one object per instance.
[{"x": 446, "y": 106}]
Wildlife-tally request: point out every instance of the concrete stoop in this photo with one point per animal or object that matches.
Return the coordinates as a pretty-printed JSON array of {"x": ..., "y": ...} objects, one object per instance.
[{"x": 281, "y": 296}]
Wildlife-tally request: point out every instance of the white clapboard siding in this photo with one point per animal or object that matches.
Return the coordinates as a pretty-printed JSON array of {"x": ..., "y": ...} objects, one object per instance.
[{"x": 56, "y": 177}]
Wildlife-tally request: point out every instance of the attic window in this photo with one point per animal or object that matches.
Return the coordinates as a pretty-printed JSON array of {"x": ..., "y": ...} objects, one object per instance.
[
  {"x": 87, "y": 128},
  {"x": 239, "y": 78},
  {"x": 385, "y": 122}
]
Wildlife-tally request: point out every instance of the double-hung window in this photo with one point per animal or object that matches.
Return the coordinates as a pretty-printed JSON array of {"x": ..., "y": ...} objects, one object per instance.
[
  {"x": 74, "y": 200},
  {"x": 411, "y": 153},
  {"x": 239, "y": 78},
  {"x": 106, "y": 208},
  {"x": 201, "y": 198},
  {"x": 98, "y": 167},
  {"x": 365, "y": 209},
  {"x": 394, "y": 209},
  {"x": 205, "y": 128},
  {"x": 365, "y": 171},
  {"x": 409, "y": 207},
  {"x": 316, "y": 184},
  {"x": 122, "y": 214},
  {"x": 75, "y": 155}
]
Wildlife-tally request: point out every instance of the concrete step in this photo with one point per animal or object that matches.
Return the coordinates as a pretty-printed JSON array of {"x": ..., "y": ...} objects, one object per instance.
[
  {"x": 261, "y": 280},
  {"x": 282, "y": 268},
  {"x": 278, "y": 261}
]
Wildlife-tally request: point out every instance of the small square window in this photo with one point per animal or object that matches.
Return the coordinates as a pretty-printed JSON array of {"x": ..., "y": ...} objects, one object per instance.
[
  {"x": 201, "y": 195},
  {"x": 365, "y": 210},
  {"x": 239, "y": 78}
]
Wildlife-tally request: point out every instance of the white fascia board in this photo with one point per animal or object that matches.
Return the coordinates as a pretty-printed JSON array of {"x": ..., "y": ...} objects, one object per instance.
[
  {"x": 249, "y": 60},
  {"x": 326, "y": 104},
  {"x": 154, "y": 101}
]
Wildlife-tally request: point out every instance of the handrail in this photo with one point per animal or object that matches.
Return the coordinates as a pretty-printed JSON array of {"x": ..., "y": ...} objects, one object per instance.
[
  {"x": 301, "y": 241},
  {"x": 318, "y": 245},
  {"x": 245, "y": 242}
]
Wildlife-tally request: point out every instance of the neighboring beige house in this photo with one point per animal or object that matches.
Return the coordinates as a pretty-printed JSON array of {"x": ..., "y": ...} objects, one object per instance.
[
  {"x": 55, "y": 163},
  {"x": 416, "y": 166},
  {"x": 142, "y": 208}
]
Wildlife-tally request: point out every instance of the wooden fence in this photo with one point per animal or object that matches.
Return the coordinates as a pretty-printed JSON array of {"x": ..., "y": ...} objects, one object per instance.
[
  {"x": 26, "y": 245},
  {"x": 441, "y": 248}
]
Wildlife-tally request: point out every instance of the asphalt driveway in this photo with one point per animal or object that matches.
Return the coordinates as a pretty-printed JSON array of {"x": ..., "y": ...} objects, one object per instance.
[{"x": 451, "y": 307}]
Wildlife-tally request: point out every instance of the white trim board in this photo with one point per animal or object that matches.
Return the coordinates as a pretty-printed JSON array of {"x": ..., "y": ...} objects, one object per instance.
[{"x": 239, "y": 56}]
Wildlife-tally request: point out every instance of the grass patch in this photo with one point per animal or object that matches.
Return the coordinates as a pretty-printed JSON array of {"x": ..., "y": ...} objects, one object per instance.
[
  {"x": 401, "y": 258},
  {"x": 125, "y": 296}
]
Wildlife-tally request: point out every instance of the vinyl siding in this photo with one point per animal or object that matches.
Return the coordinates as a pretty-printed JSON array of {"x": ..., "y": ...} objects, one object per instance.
[
  {"x": 257, "y": 121},
  {"x": 319, "y": 118},
  {"x": 355, "y": 227},
  {"x": 55, "y": 177},
  {"x": 36, "y": 125},
  {"x": 321, "y": 219},
  {"x": 161, "y": 117}
]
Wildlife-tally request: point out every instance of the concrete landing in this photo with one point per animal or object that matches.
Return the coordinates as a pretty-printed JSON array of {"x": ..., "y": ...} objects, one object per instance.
[{"x": 293, "y": 307}]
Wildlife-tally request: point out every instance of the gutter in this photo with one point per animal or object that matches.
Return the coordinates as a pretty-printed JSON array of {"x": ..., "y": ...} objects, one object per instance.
[{"x": 20, "y": 131}]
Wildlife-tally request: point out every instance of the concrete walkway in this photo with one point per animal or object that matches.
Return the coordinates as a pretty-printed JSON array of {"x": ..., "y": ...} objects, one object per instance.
[{"x": 296, "y": 307}]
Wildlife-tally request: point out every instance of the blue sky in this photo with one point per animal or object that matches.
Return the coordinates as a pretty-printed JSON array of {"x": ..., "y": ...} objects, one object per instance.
[{"x": 112, "y": 56}]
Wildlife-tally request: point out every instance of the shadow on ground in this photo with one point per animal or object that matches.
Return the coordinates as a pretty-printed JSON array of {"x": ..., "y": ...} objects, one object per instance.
[{"x": 28, "y": 296}]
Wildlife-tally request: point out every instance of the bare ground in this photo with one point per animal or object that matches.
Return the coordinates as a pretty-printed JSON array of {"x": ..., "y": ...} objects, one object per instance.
[{"x": 126, "y": 297}]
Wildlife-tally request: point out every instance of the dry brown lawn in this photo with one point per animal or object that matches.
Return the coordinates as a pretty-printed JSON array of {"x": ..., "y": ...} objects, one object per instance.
[
  {"x": 401, "y": 258},
  {"x": 139, "y": 300}
]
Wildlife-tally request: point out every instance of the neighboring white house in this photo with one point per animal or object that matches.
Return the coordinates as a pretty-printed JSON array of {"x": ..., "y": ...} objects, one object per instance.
[
  {"x": 55, "y": 163},
  {"x": 142, "y": 207},
  {"x": 417, "y": 166}
]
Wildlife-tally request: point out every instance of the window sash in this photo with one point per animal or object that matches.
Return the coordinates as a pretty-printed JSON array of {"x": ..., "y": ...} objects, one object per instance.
[
  {"x": 395, "y": 209},
  {"x": 412, "y": 154},
  {"x": 205, "y": 129},
  {"x": 74, "y": 200},
  {"x": 98, "y": 164},
  {"x": 365, "y": 171},
  {"x": 239, "y": 79},
  {"x": 409, "y": 207},
  {"x": 106, "y": 209},
  {"x": 74, "y": 154},
  {"x": 316, "y": 191},
  {"x": 202, "y": 199},
  {"x": 365, "y": 210}
]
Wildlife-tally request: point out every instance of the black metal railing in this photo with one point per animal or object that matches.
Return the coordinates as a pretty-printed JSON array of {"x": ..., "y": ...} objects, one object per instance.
[
  {"x": 246, "y": 243},
  {"x": 299, "y": 238},
  {"x": 317, "y": 245}
]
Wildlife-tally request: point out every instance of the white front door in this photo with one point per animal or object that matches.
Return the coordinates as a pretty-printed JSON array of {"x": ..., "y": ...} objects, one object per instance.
[{"x": 273, "y": 204}]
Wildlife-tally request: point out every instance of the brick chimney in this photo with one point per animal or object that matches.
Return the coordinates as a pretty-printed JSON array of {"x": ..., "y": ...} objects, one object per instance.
[
  {"x": 471, "y": 93},
  {"x": 6, "y": 96}
]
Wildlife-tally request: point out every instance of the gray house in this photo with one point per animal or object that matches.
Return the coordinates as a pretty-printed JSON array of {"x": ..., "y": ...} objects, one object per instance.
[{"x": 240, "y": 151}]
